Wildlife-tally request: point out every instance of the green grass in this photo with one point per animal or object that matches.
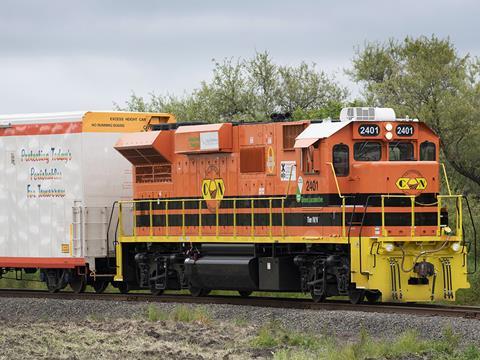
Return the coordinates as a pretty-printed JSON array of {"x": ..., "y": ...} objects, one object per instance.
[
  {"x": 274, "y": 335},
  {"x": 180, "y": 313},
  {"x": 26, "y": 281},
  {"x": 300, "y": 346}
]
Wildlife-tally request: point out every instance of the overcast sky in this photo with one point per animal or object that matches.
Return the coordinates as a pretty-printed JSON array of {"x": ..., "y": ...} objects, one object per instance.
[{"x": 65, "y": 55}]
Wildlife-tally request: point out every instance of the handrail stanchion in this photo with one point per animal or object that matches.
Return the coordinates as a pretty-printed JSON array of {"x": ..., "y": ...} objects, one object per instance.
[
  {"x": 150, "y": 211},
  {"x": 412, "y": 200},
  {"x": 235, "y": 219},
  {"x": 439, "y": 215},
  {"x": 340, "y": 196},
  {"x": 134, "y": 219},
  {"x": 216, "y": 220},
  {"x": 384, "y": 231},
  {"x": 460, "y": 216},
  {"x": 252, "y": 219},
  {"x": 183, "y": 219},
  {"x": 283, "y": 219},
  {"x": 446, "y": 179},
  {"x": 270, "y": 218},
  {"x": 166, "y": 220},
  {"x": 120, "y": 219},
  {"x": 200, "y": 219}
]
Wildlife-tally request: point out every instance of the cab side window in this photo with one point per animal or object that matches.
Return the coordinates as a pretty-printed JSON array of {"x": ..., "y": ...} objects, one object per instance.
[
  {"x": 341, "y": 160},
  {"x": 428, "y": 151},
  {"x": 367, "y": 151}
]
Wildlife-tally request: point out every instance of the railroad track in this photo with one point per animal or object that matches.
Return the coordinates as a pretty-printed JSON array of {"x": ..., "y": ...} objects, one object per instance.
[{"x": 288, "y": 303}]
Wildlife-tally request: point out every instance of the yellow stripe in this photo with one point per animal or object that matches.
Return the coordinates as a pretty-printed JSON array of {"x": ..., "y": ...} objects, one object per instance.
[
  {"x": 279, "y": 239},
  {"x": 232, "y": 239}
]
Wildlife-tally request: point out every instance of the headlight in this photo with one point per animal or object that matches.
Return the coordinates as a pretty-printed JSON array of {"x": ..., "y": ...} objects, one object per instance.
[
  {"x": 388, "y": 247},
  {"x": 456, "y": 247}
]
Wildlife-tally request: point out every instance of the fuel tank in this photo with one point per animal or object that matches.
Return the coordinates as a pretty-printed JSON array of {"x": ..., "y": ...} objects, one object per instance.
[{"x": 223, "y": 272}]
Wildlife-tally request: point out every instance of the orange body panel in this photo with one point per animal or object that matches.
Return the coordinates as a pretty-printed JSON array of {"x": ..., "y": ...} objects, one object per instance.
[
  {"x": 256, "y": 160},
  {"x": 189, "y": 169}
]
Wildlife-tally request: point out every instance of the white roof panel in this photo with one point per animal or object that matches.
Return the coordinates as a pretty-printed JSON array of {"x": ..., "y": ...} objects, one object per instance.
[
  {"x": 41, "y": 117},
  {"x": 322, "y": 130}
]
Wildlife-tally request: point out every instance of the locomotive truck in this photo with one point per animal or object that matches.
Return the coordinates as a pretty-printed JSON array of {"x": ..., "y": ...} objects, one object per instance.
[{"x": 349, "y": 207}]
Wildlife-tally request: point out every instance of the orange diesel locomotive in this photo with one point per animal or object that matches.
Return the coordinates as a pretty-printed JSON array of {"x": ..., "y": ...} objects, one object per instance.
[{"x": 348, "y": 207}]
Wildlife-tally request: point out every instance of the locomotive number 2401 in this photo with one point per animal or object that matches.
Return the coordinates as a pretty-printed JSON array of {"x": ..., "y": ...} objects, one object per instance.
[{"x": 369, "y": 130}]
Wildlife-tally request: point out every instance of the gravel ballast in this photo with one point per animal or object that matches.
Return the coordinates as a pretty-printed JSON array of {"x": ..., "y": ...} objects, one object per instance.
[{"x": 343, "y": 324}]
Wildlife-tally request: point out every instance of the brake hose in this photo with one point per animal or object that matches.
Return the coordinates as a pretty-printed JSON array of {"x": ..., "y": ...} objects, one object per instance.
[{"x": 424, "y": 252}]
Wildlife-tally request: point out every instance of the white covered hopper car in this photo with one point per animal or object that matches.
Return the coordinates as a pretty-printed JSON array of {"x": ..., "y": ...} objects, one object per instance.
[{"x": 60, "y": 177}]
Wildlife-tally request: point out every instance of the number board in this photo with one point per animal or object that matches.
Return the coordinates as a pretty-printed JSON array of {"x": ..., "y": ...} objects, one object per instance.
[
  {"x": 404, "y": 130},
  {"x": 369, "y": 130}
]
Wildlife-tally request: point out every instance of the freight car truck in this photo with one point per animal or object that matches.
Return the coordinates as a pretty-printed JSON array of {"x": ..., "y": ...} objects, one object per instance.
[{"x": 59, "y": 179}]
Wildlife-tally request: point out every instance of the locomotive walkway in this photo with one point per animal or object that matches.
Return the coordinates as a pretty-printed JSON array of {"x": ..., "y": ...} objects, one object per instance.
[{"x": 287, "y": 303}]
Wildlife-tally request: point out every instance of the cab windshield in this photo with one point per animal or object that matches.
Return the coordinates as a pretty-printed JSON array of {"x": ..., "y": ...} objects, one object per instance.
[{"x": 401, "y": 151}]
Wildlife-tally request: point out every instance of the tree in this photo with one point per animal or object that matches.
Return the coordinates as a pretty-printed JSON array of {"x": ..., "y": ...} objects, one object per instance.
[
  {"x": 426, "y": 78},
  {"x": 264, "y": 81},
  {"x": 305, "y": 88},
  {"x": 249, "y": 89}
]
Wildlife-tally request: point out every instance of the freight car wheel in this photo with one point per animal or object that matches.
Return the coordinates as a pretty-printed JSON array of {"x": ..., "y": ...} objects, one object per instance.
[
  {"x": 100, "y": 286},
  {"x": 373, "y": 296},
  {"x": 245, "y": 293},
  {"x": 78, "y": 284},
  {"x": 356, "y": 296},
  {"x": 53, "y": 289}
]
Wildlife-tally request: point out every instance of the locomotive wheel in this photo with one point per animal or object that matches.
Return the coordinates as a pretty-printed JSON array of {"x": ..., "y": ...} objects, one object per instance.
[
  {"x": 153, "y": 290},
  {"x": 123, "y": 288},
  {"x": 245, "y": 293},
  {"x": 100, "y": 286},
  {"x": 356, "y": 296},
  {"x": 198, "y": 292},
  {"x": 317, "y": 298},
  {"x": 373, "y": 296},
  {"x": 156, "y": 292},
  {"x": 78, "y": 284}
]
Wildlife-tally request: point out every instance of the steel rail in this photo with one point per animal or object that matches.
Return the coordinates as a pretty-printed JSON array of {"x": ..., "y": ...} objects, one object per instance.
[{"x": 272, "y": 302}]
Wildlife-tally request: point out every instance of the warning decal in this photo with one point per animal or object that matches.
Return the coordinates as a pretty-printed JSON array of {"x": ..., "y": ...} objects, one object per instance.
[{"x": 287, "y": 171}]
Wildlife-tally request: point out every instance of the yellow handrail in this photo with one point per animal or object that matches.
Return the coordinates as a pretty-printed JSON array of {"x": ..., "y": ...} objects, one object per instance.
[
  {"x": 412, "y": 212},
  {"x": 446, "y": 179},
  {"x": 340, "y": 196},
  {"x": 458, "y": 218},
  {"x": 458, "y": 211},
  {"x": 200, "y": 208},
  {"x": 151, "y": 219}
]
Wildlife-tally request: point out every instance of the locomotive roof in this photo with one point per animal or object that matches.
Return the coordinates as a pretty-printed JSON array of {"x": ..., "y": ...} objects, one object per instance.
[
  {"x": 56, "y": 117},
  {"x": 317, "y": 131},
  {"x": 42, "y": 117}
]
